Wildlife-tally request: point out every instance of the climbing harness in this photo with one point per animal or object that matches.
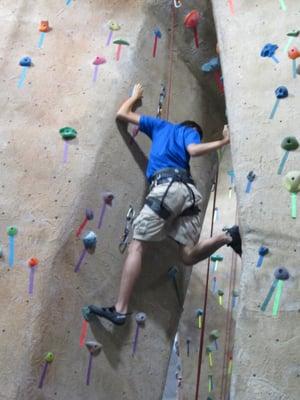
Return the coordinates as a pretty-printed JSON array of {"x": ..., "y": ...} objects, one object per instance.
[
  {"x": 161, "y": 101},
  {"x": 177, "y": 3},
  {"x": 170, "y": 176},
  {"x": 129, "y": 220}
]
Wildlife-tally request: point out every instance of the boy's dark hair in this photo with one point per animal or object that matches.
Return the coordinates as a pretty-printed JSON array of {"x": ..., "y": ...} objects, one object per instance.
[{"x": 194, "y": 125}]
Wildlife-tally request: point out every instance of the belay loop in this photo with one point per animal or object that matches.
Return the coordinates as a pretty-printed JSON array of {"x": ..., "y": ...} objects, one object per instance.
[{"x": 129, "y": 220}]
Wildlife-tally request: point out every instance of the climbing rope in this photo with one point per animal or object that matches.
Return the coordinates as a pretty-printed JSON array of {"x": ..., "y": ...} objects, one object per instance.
[
  {"x": 206, "y": 295},
  {"x": 171, "y": 61}
]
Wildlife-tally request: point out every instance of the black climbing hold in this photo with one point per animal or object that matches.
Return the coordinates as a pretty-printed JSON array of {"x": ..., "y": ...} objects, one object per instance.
[
  {"x": 94, "y": 347},
  {"x": 140, "y": 318},
  {"x": 290, "y": 143},
  {"x": 251, "y": 176},
  {"x": 282, "y": 274}
]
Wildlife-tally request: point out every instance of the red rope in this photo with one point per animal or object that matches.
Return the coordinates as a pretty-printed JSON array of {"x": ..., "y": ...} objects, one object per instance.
[{"x": 205, "y": 297}]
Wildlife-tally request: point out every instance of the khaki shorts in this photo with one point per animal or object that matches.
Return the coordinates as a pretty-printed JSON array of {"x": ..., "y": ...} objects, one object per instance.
[{"x": 148, "y": 226}]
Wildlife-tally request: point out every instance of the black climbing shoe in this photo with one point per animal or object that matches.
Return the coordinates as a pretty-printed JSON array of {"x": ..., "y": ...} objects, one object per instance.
[
  {"x": 109, "y": 313},
  {"x": 236, "y": 243}
]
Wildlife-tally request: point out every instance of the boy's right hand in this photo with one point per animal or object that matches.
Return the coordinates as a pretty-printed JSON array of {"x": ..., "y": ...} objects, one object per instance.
[
  {"x": 138, "y": 91},
  {"x": 226, "y": 135}
]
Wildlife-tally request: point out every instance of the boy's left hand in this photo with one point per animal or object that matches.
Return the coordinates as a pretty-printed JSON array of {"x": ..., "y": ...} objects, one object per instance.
[{"x": 226, "y": 135}]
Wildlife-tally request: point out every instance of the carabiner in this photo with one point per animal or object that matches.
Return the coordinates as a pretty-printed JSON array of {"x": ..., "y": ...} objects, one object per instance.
[{"x": 177, "y": 3}]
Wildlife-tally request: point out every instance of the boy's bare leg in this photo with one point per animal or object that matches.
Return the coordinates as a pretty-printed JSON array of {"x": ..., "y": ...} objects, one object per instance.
[
  {"x": 203, "y": 249},
  {"x": 131, "y": 271}
]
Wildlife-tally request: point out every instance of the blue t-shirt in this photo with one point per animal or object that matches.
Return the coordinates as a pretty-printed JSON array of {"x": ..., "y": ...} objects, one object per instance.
[{"x": 169, "y": 144}]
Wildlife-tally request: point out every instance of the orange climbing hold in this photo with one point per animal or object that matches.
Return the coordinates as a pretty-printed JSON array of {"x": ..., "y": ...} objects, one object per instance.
[
  {"x": 44, "y": 26},
  {"x": 33, "y": 262},
  {"x": 294, "y": 53}
]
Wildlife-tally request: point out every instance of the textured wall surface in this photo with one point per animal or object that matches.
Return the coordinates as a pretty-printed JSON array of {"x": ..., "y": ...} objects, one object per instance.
[
  {"x": 46, "y": 199},
  {"x": 220, "y": 317},
  {"x": 266, "y": 362}
]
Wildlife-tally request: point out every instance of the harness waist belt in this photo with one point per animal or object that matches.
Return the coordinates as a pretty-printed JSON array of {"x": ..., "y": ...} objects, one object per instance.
[
  {"x": 162, "y": 211},
  {"x": 175, "y": 174}
]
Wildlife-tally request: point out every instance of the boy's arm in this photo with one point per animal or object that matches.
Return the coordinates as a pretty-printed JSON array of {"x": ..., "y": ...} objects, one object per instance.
[
  {"x": 196, "y": 150},
  {"x": 125, "y": 112}
]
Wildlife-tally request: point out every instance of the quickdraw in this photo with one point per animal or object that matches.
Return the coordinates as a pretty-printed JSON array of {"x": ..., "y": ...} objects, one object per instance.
[
  {"x": 177, "y": 3},
  {"x": 129, "y": 220},
  {"x": 162, "y": 97}
]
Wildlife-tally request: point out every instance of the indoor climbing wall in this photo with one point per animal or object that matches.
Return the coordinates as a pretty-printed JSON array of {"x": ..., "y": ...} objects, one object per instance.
[
  {"x": 70, "y": 173},
  {"x": 259, "y": 44},
  {"x": 215, "y": 365}
]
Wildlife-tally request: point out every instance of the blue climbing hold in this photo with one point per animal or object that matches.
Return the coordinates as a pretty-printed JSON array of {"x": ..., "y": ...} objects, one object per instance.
[
  {"x": 25, "y": 62},
  {"x": 211, "y": 65},
  {"x": 269, "y": 50},
  {"x": 90, "y": 241},
  {"x": 263, "y": 251},
  {"x": 157, "y": 33},
  {"x": 281, "y": 92}
]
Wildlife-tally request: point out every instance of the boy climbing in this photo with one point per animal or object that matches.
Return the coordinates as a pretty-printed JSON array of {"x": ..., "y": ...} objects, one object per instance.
[{"x": 172, "y": 207}]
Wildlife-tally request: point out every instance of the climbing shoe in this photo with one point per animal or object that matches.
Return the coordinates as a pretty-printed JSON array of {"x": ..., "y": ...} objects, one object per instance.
[
  {"x": 236, "y": 243},
  {"x": 109, "y": 313}
]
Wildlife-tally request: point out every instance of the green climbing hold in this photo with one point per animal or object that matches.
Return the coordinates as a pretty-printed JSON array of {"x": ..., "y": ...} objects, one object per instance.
[
  {"x": 49, "y": 357},
  {"x": 293, "y": 33},
  {"x": 216, "y": 257},
  {"x": 12, "y": 231},
  {"x": 292, "y": 181},
  {"x": 235, "y": 293},
  {"x": 214, "y": 335},
  {"x": 68, "y": 133},
  {"x": 209, "y": 349},
  {"x": 220, "y": 292},
  {"x": 290, "y": 143},
  {"x": 121, "y": 41}
]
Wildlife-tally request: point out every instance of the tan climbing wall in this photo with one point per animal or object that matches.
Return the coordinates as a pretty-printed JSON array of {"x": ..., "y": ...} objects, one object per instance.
[
  {"x": 46, "y": 199},
  {"x": 266, "y": 358}
]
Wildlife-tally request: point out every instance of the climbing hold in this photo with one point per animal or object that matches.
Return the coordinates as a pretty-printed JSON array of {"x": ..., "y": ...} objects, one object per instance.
[
  {"x": 292, "y": 184},
  {"x": 282, "y": 274},
  {"x": 25, "y": 62},
  {"x": 33, "y": 262},
  {"x": 90, "y": 241},
  {"x": 199, "y": 314},
  {"x": 216, "y": 258},
  {"x": 292, "y": 181},
  {"x": 89, "y": 215},
  {"x": 269, "y": 51},
  {"x": 250, "y": 177},
  {"x": 281, "y": 93},
  {"x": 293, "y": 34},
  {"x": 120, "y": 43},
  {"x": 214, "y": 336},
  {"x": 210, "y": 383},
  {"x": 209, "y": 352},
  {"x": 94, "y": 347},
  {"x": 107, "y": 201},
  {"x": 220, "y": 295},
  {"x": 140, "y": 319},
  {"x": 177, "y": 3},
  {"x": 290, "y": 143},
  {"x": 294, "y": 53},
  {"x": 44, "y": 26},
  {"x": 12, "y": 231},
  {"x": 191, "y": 21},
  {"x": 68, "y": 133},
  {"x": 157, "y": 35},
  {"x": 212, "y": 65},
  {"x": 235, "y": 295},
  {"x": 114, "y": 26},
  {"x": 98, "y": 61},
  {"x": 49, "y": 357},
  {"x": 262, "y": 252}
]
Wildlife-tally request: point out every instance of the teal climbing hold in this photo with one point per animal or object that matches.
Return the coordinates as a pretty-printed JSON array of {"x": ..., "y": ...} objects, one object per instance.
[
  {"x": 12, "y": 230},
  {"x": 68, "y": 133},
  {"x": 290, "y": 143}
]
